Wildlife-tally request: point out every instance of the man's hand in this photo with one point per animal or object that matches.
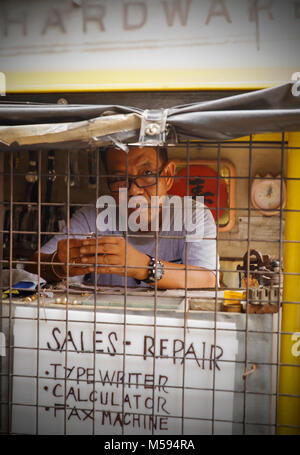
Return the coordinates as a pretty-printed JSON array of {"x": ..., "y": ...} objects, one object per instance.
[
  {"x": 75, "y": 268},
  {"x": 107, "y": 253}
]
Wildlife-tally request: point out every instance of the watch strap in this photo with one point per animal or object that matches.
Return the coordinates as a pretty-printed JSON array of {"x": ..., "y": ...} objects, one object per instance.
[{"x": 152, "y": 267}]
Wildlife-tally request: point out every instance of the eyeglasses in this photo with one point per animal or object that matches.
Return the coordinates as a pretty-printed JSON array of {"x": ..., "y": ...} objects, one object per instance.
[{"x": 143, "y": 181}]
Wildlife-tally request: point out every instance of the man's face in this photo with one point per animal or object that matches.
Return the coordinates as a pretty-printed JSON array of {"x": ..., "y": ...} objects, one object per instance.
[{"x": 142, "y": 163}]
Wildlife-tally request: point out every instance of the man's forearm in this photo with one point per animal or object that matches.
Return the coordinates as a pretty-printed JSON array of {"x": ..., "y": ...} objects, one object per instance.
[{"x": 177, "y": 277}]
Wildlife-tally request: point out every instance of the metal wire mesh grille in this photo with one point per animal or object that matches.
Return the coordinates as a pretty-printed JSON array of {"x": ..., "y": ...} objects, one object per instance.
[{"x": 92, "y": 361}]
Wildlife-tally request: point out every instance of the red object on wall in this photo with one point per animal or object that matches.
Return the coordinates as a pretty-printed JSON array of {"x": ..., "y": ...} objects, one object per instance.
[{"x": 203, "y": 181}]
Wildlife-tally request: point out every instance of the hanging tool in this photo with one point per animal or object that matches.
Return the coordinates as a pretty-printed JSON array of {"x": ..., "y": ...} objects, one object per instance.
[
  {"x": 74, "y": 161},
  {"x": 74, "y": 168},
  {"x": 16, "y": 159},
  {"x": 47, "y": 211},
  {"x": 92, "y": 168},
  {"x": 28, "y": 215}
]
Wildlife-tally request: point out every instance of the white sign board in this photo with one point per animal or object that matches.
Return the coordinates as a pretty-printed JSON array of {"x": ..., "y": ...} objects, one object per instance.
[
  {"x": 93, "y": 387},
  {"x": 159, "y": 44}
]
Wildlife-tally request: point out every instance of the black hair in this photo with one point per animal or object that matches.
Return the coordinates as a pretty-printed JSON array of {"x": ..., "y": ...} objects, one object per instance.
[{"x": 162, "y": 154}]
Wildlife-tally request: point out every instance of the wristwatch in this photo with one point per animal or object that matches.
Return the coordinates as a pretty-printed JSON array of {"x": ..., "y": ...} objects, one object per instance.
[{"x": 156, "y": 270}]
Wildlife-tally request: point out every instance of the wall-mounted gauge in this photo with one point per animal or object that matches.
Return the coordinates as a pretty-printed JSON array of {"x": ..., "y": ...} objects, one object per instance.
[{"x": 266, "y": 194}]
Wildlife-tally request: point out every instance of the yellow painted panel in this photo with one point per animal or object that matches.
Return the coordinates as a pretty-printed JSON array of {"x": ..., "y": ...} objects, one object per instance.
[
  {"x": 266, "y": 137},
  {"x": 289, "y": 377},
  {"x": 290, "y": 409},
  {"x": 150, "y": 79}
]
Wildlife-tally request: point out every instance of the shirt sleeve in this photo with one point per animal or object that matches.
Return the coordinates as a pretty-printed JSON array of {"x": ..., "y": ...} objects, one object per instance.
[
  {"x": 201, "y": 249},
  {"x": 82, "y": 224}
]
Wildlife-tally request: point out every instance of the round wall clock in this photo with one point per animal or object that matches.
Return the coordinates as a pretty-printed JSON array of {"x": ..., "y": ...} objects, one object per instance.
[{"x": 265, "y": 194}]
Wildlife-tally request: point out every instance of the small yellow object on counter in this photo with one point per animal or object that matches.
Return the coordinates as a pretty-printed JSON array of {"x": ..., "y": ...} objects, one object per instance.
[{"x": 233, "y": 301}]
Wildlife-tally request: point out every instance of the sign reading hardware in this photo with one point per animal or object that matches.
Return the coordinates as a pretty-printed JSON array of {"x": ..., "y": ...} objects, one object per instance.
[{"x": 91, "y": 45}]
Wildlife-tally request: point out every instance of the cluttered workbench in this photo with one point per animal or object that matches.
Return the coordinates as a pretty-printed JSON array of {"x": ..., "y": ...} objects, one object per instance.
[
  {"x": 26, "y": 287},
  {"x": 101, "y": 360}
]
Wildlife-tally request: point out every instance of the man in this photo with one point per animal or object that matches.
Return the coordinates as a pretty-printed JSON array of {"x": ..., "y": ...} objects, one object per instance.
[{"x": 149, "y": 256}]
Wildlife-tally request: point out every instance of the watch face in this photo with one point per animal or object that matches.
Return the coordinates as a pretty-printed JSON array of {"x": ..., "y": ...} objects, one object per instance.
[
  {"x": 155, "y": 272},
  {"x": 159, "y": 270}
]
